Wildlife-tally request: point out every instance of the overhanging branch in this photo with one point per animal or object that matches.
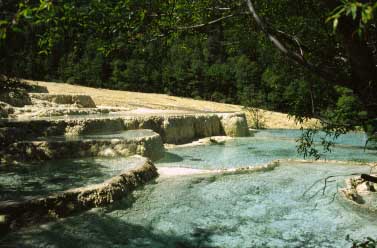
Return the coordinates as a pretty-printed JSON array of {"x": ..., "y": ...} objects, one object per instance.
[
  {"x": 296, "y": 57},
  {"x": 197, "y": 26},
  {"x": 207, "y": 23}
]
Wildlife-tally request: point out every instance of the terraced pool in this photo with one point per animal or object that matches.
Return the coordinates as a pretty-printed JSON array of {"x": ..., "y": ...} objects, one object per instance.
[
  {"x": 264, "y": 147},
  {"x": 18, "y": 183},
  {"x": 284, "y": 207}
]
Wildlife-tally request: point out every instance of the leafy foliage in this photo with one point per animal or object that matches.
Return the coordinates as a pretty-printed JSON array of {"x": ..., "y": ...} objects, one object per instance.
[
  {"x": 205, "y": 49},
  {"x": 362, "y": 12}
]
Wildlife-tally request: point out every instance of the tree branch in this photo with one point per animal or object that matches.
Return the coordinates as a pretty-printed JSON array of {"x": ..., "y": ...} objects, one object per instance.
[
  {"x": 324, "y": 187},
  {"x": 197, "y": 26},
  {"x": 207, "y": 23},
  {"x": 296, "y": 57}
]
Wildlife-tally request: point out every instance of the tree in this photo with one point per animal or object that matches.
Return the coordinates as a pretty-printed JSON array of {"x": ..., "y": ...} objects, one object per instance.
[
  {"x": 202, "y": 46},
  {"x": 355, "y": 23}
]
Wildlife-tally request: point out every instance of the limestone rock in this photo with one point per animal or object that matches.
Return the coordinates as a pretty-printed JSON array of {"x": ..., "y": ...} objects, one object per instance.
[
  {"x": 235, "y": 125},
  {"x": 5, "y": 110},
  {"x": 18, "y": 98},
  {"x": 37, "y": 112},
  {"x": 207, "y": 126},
  {"x": 364, "y": 187},
  {"x": 150, "y": 146},
  {"x": 65, "y": 203},
  {"x": 91, "y": 126},
  {"x": 3, "y": 113},
  {"x": 172, "y": 129},
  {"x": 153, "y": 147},
  {"x": 178, "y": 130},
  {"x": 83, "y": 101}
]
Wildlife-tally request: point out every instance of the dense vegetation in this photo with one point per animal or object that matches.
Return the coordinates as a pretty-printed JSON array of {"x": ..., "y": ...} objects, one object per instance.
[{"x": 213, "y": 49}]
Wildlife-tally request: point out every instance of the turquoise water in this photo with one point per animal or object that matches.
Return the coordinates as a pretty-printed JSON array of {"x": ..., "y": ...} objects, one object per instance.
[
  {"x": 264, "y": 147},
  {"x": 21, "y": 182},
  {"x": 267, "y": 209},
  {"x": 278, "y": 208}
]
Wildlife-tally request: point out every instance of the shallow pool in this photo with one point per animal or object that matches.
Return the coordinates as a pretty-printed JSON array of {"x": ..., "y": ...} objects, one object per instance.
[
  {"x": 279, "y": 208},
  {"x": 267, "y": 209},
  {"x": 21, "y": 182},
  {"x": 264, "y": 147}
]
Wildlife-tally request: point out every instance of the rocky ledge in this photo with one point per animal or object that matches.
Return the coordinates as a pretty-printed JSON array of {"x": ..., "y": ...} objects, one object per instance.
[
  {"x": 178, "y": 129},
  {"x": 147, "y": 144},
  {"x": 82, "y": 101},
  {"x": 181, "y": 129}
]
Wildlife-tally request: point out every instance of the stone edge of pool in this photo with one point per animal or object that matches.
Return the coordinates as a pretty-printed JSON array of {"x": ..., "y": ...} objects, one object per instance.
[
  {"x": 173, "y": 129},
  {"x": 169, "y": 129},
  {"x": 150, "y": 146},
  {"x": 15, "y": 214},
  {"x": 350, "y": 195}
]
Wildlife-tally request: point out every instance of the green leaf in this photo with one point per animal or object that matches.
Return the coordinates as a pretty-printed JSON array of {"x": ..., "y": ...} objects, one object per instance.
[
  {"x": 3, "y": 34},
  {"x": 17, "y": 30},
  {"x": 354, "y": 11},
  {"x": 335, "y": 23}
]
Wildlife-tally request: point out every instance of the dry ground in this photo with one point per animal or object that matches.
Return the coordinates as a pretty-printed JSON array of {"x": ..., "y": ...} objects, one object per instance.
[{"x": 134, "y": 100}]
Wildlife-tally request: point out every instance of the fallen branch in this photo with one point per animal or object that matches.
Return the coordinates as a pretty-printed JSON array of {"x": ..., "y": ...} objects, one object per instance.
[{"x": 326, "y": 181}]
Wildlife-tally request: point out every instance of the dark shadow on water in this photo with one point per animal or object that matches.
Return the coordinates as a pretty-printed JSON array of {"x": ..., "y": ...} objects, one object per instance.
[
  {"x": 196, "y": 159},
  {"x": 41, "y": 180},
  {"x": 100, "y": 229},
  {"x": 171, "y": 158},
  {"x": 106, "y": 231}
]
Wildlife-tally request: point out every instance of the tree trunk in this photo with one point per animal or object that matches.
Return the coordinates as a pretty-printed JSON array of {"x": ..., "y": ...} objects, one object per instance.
[{"x": 363, "y": 67}]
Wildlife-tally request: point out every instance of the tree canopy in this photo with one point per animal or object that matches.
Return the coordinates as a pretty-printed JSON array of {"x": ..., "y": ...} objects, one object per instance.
[{"x": 308, "y": 58}]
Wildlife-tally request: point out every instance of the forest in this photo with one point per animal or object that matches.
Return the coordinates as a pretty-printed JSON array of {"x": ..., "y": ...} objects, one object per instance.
[
  {"x": 89, "y": 167},
  {"x": 324, "y": 65}
]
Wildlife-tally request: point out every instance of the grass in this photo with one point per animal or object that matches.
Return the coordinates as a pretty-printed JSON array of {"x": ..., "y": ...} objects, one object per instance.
[{"x": 134, "y": 100}]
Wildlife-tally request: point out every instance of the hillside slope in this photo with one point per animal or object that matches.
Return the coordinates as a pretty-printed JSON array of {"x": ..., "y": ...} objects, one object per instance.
[{"x": 156, "y": 102}]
